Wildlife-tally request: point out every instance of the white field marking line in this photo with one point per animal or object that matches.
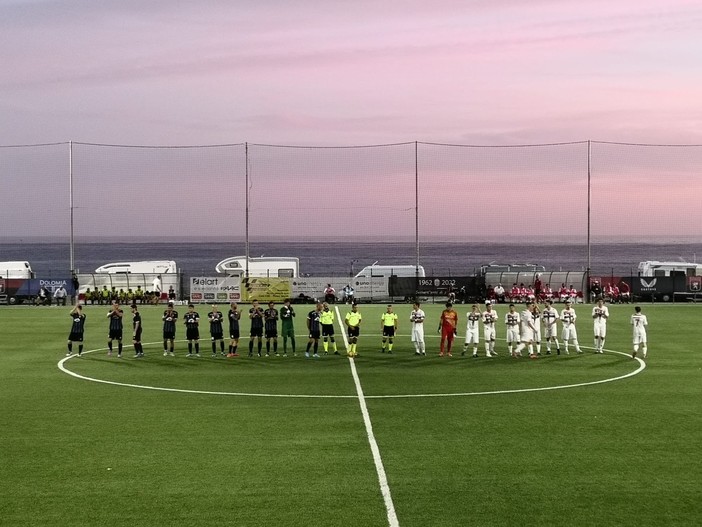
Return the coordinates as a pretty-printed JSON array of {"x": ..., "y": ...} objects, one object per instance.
[
  {"x": 341, "y": 326},
  {"x": 62, "y": 367},
  {"x": 377, "y": 460}
]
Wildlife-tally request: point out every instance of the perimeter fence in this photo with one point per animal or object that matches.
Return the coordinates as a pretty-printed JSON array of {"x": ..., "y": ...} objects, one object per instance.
[{"x": 584, "y": 190}]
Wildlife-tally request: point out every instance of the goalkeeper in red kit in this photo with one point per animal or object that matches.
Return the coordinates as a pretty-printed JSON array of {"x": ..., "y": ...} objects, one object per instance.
[{"x": 447, "y": 327}]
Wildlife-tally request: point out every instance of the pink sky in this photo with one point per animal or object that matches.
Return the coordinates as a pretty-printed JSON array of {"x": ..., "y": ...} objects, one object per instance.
[{"x": 325, "y": 73}]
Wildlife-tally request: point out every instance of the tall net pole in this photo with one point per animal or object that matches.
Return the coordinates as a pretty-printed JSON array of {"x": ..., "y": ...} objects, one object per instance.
[{"x": 71, "y": 249}]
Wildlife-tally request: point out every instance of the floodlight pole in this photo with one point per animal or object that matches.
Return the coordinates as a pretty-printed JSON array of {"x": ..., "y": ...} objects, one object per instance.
[
  {"x": 71, "y": 244},
  {"x": 416, "y": 218},
  {"x": 246, "y": 146},
  {"x": 589, "y": 198}
]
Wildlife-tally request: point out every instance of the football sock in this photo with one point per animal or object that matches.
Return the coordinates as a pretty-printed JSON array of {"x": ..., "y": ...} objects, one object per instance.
[
  {"x": 197, "y": 347},
  {"x": 70, "y": 346},
  {"x": 190, "y": 348},
  {"x": 326, "y": 345}
]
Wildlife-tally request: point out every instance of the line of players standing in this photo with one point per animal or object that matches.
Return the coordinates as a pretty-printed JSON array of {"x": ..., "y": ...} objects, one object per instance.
[{"x": 523, "y": 329}]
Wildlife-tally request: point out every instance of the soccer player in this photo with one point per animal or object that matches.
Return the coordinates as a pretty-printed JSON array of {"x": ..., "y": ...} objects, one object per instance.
[
  {"x": 569, "y": 317},
  {"x": 639, "y": 323},
  {"x": 136, "y": 332},
  {"x": 169, "y": 318},
  {"x": 600, "y": 314},
  {"x": 234, "y": 316},
  {"x": 388, "y": 325},
  {"x": 472, "y": 330},
  {"x": 549, "y": 317},
  {"x": 191, "y": 319},
  {"x": 326, "y": 318},
  {"x": 512, "y": 321},
  {"x": 526, "y": 332},
  {"x": 448, "y": 324},
  {"x": 287, "y": 313},
  {"x": 417, "y": 317},
  {"x": 115, "y": 332},
  {"x": 353, "y": 323},
  {"x": 216, "y": 318},
  {"x": 77, "y": 329},
  {"x": 313, "y": 329},
  {"x": 270, "y": 318},
  {"x": 536, "y": 323},
  {"x": 256, "y": 317},
  {"x": 490, "y": 318}
]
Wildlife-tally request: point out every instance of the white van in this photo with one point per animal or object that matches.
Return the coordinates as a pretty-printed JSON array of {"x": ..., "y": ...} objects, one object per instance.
[
  {"x": 270, "y": 266},
  {"x": 386, "y": 271},
  {"x": 16, "y": 270},
  {"x": 145, "y": 267}
]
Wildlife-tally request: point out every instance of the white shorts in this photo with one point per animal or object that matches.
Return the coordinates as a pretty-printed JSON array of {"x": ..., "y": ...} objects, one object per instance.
[
  {"x": 472, "y": 336},
  {"x": 489, "y": 333},
  {"x": 512, "y": 334},
  {"x": 527, "y": 335},
  {"x": 569, "y": 332},
  {"x": 551, "y": 331},
  {"x": 640, "y": 336},
  {"x": 600, "y": 329},
  {"x": 537, "y": 335},
  {"x": 417, "y": 333}
]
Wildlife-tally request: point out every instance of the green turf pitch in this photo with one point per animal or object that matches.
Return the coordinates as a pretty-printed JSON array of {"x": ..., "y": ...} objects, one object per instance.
[{"x": 76, "y": 452}]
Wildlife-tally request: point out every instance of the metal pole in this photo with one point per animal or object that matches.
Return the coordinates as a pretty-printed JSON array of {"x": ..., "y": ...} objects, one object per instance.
[
  {"x": 416, "y": 218},
  {"x": 70, "y": 206},
  {"x": 589, "y": 198},
  {"x": 246, "y": 145}
]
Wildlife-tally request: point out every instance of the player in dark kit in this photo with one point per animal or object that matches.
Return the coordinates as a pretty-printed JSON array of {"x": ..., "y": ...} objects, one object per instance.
[
  {"x": 287, "y": 313},
  {"x": 136, "y": 332},
  {"x": 256, "y": 316},
  {"x": 77, "y": 328},
  {"x": 314, "y": 330},
  {"x": 216, "y": 317},
  {"x": 115, "y": 332},
  {"x": 169, "y": 318},
  {"x": 192, "y": 330},
  {"x": 234, "y": 315},
  {"x": 270, "y": 317}
]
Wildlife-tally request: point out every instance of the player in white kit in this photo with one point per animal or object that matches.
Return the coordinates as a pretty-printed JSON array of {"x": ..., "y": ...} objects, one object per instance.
[
  {"x": 472, "y": 330},
  {"x": 512, "y": 320},
  {"x": 526, "y": 332},
  {"x": 550, "y": 318},
  {"x": 639, "y": 323},
  {"x": 536, "y": 322},
  {"x": 600, "y": 314},
  {"x": 568, "y": 317},
  {"x": 490, "y": 319},
  {"x": 417, "y": 317}
]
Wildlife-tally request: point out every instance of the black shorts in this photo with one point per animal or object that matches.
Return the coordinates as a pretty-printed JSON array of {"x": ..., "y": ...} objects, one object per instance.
[
  {"x": 327, "y": 330},
  {"x": 354, "y": 332},
  {"x": 192, "y": 333},
  {"x": 137, "y": 335},
  {"x": 271, "y": 333},
  {"x": 234, "y": 334},
  {"x": 75, "y": 337},
  {"x": 115, "y": 334},
  {"x": 314, "y": 335},
  {"x": 217, "y": 336},
  {"x": 388, "y": 331},
  {"x": 168, "y": 335},
  {"x": 256, "y": 332}
]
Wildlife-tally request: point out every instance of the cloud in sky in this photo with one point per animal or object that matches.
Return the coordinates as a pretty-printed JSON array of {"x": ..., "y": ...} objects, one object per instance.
[
  {"x": 336, "y": 73},
  {"x": 355, "y": 73}
]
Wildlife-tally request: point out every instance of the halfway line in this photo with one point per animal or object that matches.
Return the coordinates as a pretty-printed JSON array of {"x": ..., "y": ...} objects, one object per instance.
[{"x": 379, "y": 468}]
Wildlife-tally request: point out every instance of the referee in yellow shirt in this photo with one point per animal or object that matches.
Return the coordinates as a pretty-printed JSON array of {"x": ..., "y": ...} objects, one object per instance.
[
  {"x": 326, "y": 318},
  {"x": 353, "y": 323},
  {"x": 389, "y": 326}
]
